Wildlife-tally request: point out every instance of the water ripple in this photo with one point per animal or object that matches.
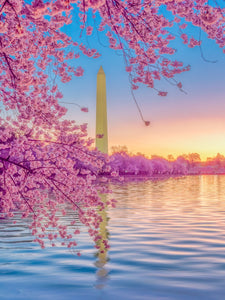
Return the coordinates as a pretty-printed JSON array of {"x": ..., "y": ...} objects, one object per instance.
[{"x": 167, "y": 242}]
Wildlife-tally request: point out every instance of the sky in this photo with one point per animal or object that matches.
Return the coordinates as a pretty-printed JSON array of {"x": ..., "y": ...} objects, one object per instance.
[{"x": 180, "y": 123}]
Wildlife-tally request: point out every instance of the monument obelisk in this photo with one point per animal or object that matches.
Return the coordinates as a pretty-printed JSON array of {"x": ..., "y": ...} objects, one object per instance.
[{"x": 101, "y": 113}]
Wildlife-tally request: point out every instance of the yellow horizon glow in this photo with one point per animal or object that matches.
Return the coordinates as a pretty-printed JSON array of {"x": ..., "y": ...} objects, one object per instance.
[{"x": 172, "y": 137}]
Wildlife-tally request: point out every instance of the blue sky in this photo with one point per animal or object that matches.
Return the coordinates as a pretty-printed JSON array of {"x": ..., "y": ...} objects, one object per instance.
[{"x": 180, "y": 123}]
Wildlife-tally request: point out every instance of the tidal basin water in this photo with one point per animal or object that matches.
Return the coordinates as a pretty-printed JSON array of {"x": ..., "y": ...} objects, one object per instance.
[{"x": 167, "y": 241}]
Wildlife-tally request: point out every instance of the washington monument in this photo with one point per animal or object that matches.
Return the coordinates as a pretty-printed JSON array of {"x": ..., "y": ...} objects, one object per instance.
[{"x": 101, "y": 113}]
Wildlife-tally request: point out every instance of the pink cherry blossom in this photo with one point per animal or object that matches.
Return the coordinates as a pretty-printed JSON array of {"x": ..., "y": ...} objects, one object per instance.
[{"x": 84, "y": 109}]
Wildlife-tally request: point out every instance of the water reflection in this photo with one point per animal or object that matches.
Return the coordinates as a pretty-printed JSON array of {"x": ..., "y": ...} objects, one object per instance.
[
  {"x": 14, "y": 235},
  {"x": 102, "y": 254},
  {"x": 167, "y": 241}
]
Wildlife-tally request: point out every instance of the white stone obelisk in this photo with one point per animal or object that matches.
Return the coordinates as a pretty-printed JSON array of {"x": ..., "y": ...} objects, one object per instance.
[{"x": 101, "y": 113}]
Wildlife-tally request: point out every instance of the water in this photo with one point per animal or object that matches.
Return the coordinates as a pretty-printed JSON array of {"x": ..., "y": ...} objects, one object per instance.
[{"x": 167, "y": 242}]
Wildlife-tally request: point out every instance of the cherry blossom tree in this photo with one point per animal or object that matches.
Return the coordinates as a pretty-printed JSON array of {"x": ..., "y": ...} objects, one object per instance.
[
  {"x": 45, "y": 161},
  {"x": 47, "y": 165}
]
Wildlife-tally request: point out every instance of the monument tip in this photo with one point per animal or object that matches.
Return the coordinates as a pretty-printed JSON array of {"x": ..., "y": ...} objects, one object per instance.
[{"x": 101, "y": 71}]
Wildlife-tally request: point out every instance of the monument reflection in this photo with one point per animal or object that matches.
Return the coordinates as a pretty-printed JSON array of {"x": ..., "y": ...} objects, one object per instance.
[{"x": 102, "y": 253}]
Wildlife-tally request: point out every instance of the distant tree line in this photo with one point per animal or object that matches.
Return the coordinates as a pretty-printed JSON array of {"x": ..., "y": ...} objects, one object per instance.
[{"x": 125, "y": 163}]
